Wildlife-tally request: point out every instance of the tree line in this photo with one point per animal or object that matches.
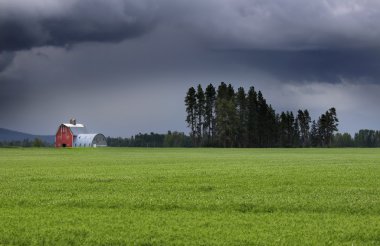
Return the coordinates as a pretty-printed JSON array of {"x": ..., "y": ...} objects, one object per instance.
[
  {"x": 170, "y": 139},
  {"x": 223, "y": 117},
  {"x": 25, "y": 143},
  {"x": 363, "y": 138}
]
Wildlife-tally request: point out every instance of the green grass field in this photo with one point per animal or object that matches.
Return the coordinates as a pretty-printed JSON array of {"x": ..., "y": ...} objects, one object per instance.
[{"x": 128, "y": 196}]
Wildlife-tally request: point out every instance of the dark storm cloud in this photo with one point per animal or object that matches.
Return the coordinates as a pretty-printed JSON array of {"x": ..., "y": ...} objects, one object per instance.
[
  {"x": 283, "y": 25},
  {"x": 13, "y": 93},
  {"x": 24, "y": 26},
  {"x": 224, "y": 24},
  {"x": 6, "y": 58},
  {"x": 293, "y": 40},
  {"x": 314, "y": 65},
  {"x": 290, "y": 39}
]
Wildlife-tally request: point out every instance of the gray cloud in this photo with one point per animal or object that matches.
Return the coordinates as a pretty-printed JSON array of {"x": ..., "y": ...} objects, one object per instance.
[
  {"x": 282, "y": 25},
  {"x": 332, "y": 66},
  {"x": 257, "y": 24},
  {"x": 6, "y": 58},
  {"x": 291, "y": 39},
  {"x": 24, "y": 26}
]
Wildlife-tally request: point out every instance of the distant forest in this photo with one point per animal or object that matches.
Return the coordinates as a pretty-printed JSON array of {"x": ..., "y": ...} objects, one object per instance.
[
  {"x": 171, "y": 139},
  {"x": 26, "y": 143},
  {"x": 364, "y": 138}
]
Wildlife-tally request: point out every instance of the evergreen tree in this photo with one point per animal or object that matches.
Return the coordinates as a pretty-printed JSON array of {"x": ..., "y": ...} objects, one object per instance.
[
  {"x": 332, "y": 125},
  {"x": 26, "y": 143},
  {"x": 262, "y": 109},
  {"x": 291, "y": 129},
  {"x": 272, "y": 125},
  {"x": 209, "y": 117},
  {"x": 37, "y": 143},
  {"x": 191, "y": 118},
  {"x": 343, "y": 140},
  {"x": 367, "y": 138},
  {"x": 242, "y": 112},
  {"x": 221, "y": 116},
  {"x": 175, "y": 139},
  {"x": 296, "y": 133},
  {"x": 288, "y": 130},
  {"x": 232, "y": 117},
  {"x": 277, "y": 142},
  {"x": 252, "y": 121},
  {"x": 322, "y": 126},
  {"x": 304, "y": 125},
  {"x": 314, "y": 135},
  {"x": 327, "y": 124},
  {"x": 200, "y": 113},
  {"x": 283, "y": 128},
  {"x": 226, "y": 115}
]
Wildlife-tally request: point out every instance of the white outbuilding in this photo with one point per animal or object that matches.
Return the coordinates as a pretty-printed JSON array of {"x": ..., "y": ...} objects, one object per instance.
[{"x": 90, "y": 140}]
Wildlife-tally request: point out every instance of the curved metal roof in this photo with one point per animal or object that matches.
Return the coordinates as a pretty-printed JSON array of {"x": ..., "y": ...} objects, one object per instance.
[{"x": 86, "y": 140}]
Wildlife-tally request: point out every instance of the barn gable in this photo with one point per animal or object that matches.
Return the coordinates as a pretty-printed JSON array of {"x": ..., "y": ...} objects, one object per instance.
[
  {"x": 64, "y": 137},
  {"x": 77, "y": 128}
]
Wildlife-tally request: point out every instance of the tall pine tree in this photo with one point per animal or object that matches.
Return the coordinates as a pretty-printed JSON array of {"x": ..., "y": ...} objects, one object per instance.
[
  {"x": 200, "y": 113},
  {"x": 252, "y": 115},
  {"x": 304, "y": 125},
  {"x": 209, "y": 116},
  {"x": 226, "y": 117},
  {"x": 191, "y": 118},
  {"x": 314, "y": 135},
  {"x": 242, "y": 113},
  {"x": 221, "y": 117},
  {"x": 262, "y": 117}
]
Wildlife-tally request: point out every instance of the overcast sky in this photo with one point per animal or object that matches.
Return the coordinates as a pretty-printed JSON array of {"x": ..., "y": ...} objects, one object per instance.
[{"x": 123, "y": 66}]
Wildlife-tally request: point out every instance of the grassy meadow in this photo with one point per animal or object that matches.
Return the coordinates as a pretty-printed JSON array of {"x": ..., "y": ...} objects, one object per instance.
[{"x": 136, "y": 196}]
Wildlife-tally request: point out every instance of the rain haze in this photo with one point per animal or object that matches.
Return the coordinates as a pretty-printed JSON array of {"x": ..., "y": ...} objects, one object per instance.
[{"x": 124, "y": 66}]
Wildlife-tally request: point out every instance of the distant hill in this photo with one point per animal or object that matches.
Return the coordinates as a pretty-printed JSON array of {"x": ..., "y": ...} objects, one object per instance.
[{"x": 10, "y": 135}]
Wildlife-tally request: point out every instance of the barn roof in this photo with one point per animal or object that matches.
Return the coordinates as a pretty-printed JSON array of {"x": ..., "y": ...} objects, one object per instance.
[
  {"x": 84, "y": 140},
  {"x": 77, "y": 128},
  {"x": 71, "y": 125}
]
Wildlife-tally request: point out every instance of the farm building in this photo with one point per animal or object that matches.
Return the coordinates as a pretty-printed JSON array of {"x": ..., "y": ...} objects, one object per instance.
[{"x": 76, "y": 135}]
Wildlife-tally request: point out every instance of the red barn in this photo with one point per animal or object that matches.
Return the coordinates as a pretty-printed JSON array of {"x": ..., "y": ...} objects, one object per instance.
[{"x": 76, "y": 135}]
